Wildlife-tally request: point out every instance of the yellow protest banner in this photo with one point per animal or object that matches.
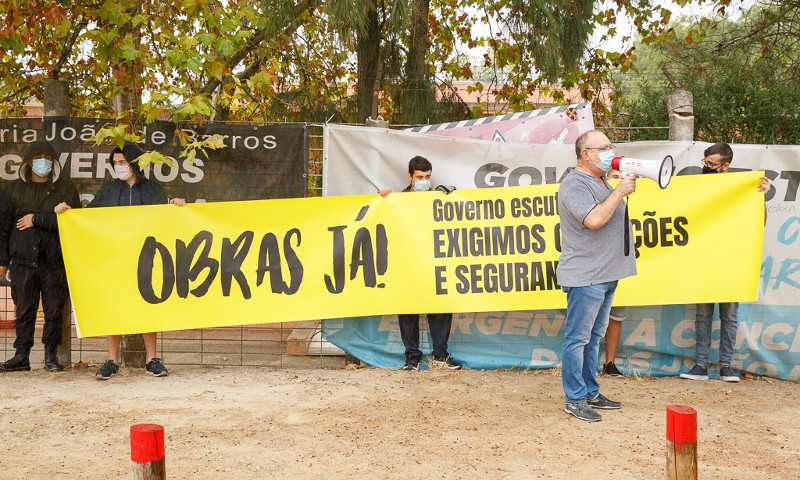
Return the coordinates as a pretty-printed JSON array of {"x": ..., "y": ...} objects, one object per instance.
[
  {"x": 162, "y": 267},
  {"x": 700, "y": 240}
]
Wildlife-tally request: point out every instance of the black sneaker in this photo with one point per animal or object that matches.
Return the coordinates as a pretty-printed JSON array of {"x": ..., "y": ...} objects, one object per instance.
[
  {"x": 602, "y": 403},
  {"x": 108, "y": 370},
  {"x": 17, "y": 363},
  {"x": 726, "y": 374},
  {"x": 611, "y": 370},
  {"x": 156, "y": 368},
  {"x": 445, "y": 362},
  {"x": 412, "y": 364},
  {"x": 583, "y": 411},
  {"x": 697, "y": 372}
]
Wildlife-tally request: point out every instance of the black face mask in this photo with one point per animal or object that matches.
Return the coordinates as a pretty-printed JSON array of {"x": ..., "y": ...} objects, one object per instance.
[{"x": 709, "y": 170}]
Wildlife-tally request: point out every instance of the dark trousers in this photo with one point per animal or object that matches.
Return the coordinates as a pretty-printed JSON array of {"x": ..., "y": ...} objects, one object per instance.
[
  {"x": 438, "y": 325},
  {"x": 27, "y": 285}
]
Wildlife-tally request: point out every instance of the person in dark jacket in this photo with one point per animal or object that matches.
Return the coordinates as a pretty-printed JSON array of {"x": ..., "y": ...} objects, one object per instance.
[
  {"x": 30, "y": 248},
  {"x": 419, "y": 176},
  {"x": 129, "y": 187}
]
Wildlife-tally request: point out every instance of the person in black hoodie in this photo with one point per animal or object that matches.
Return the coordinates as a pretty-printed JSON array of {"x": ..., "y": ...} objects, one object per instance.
[
  {"x": 30, "y": 248},
  {"x": 129, "y": 187}
]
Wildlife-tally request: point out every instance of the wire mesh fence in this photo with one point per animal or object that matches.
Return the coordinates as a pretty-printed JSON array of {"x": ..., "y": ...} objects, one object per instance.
[
  {"x": 621, "y": 134},
  {"x": 277, "y": 345}
]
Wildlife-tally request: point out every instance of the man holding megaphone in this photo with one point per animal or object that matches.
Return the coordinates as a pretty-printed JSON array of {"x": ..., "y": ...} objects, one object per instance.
[{"x": 596, "y": 253}]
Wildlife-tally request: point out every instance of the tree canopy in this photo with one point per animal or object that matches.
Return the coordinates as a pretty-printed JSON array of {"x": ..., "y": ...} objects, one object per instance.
[
  {"x": 306, "y": 60},
  {"x": 742, "y": 71}
]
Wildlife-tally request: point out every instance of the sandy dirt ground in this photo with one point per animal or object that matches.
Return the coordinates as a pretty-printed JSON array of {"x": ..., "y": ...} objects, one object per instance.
[{"x": 248, "y": 423}]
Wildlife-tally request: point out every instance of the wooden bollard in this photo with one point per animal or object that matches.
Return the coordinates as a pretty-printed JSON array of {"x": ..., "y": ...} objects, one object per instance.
[
  {"x": 681, "y": 442},
  {"x": 147, "y": 452}
]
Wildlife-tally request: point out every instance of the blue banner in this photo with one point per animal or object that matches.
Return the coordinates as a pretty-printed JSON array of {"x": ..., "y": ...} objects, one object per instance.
[{"x": 655, "y": 341}]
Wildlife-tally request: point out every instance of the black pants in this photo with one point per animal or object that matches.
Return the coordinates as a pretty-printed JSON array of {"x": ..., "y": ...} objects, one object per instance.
[
  {"x": 27, "y": 285},
  {"x": 438, "y": 325}
]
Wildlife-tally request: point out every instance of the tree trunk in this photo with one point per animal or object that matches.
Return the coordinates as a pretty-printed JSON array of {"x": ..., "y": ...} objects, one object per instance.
[
  {"x": 132, "y": 351},
  {"x": 418, "y": 99},
  {"x": 56, "y": 104},
  {"x": 680, "y": 106},
  {"x": 131, "y": 96},
  {"x": 56, "y": 98},
  {"x": 368, "y": 48},
  {"x": 127, "y": 100},
  {"x": 132, "y": 347}
]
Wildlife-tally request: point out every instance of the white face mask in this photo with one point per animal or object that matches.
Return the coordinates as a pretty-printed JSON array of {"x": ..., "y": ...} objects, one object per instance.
[
  {"x": 422, "y": 186},
  {"x": 123, "y": 172}
]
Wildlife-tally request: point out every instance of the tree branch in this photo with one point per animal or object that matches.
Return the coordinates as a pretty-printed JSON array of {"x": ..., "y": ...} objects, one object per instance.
[
  {"x": 759, "y": 26},
  {"x": 253, "y": 42},
  {"x": 67, "y": 51}
]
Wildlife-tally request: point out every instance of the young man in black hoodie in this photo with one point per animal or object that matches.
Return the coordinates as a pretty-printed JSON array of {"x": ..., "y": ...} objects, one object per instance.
[
  {"x": 129, "y": 187},
  {"x": 30, "y": 248}
]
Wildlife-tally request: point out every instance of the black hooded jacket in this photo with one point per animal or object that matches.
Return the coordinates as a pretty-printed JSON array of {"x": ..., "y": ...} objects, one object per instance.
[
  {"x": 23, "y": 196},
  {"x": 117, "y": 193}
]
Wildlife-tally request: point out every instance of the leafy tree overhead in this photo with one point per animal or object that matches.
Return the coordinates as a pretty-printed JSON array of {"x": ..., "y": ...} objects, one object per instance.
[
  {"x": 742, "y": 73},
  {"x": 274, "y": 60}
]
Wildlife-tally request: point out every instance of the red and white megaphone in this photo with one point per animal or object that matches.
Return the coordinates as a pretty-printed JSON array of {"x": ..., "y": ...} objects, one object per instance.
[{"x": 659, "y": 171}]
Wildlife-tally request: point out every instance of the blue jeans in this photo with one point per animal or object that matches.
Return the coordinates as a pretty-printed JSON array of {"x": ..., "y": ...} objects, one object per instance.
[
  {"x": 587, "y": 320},
  {"x": 728, "y": 313}
]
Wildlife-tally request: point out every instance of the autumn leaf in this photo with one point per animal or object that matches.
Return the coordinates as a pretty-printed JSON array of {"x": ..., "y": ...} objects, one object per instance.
[{"x": 54, "y": 15}]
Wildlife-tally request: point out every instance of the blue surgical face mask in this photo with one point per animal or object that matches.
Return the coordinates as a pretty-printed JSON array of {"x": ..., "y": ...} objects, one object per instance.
[
  {"x": 605, "y": 160},
  {"x": 42, "y": 167},
  {"x": 422, "y": 186}
]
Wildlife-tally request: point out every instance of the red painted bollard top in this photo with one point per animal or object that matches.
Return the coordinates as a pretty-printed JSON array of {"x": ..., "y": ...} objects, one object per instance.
[{"x": 147, "y": 443}]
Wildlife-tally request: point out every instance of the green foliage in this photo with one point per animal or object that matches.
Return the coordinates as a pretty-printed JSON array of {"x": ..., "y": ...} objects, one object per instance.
[
  {"x": 118, "y": 134},
  {"x": 742, "y": 74},
  {"x": 273, "y": 60}
]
